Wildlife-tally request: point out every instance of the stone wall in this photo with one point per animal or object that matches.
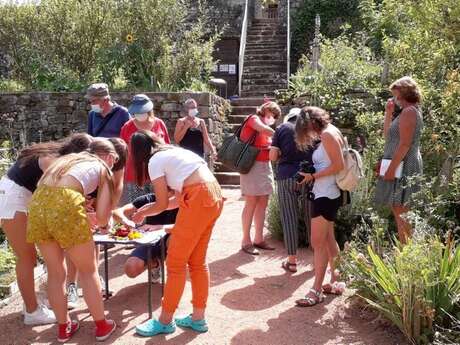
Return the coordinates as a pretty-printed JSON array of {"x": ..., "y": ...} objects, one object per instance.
[{"x": 41, "y": 116}]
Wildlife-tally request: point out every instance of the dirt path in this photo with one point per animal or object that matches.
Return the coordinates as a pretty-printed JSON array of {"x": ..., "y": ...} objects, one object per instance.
[{"x": 251, "y": 302}]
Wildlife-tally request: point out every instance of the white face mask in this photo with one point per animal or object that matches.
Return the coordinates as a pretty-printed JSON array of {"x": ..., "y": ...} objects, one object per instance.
[
  {"x": 96, "y": 108},
  {"x": 269, "y": 121},
  {"x": 193, "y": 112},
  {"x": 141, "y": 117}
]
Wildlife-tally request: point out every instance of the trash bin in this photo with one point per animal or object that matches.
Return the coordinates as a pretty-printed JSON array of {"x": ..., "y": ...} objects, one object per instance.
[{"x": 221, "y": 85}]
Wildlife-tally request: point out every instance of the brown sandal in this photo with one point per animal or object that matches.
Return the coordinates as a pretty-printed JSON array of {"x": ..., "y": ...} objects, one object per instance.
[
  {"x": 288, "y": 266},
  {"x": 249, "y": 248},
  {"x": 263, "y": 245},
  {"x": 308, "y": 301}
]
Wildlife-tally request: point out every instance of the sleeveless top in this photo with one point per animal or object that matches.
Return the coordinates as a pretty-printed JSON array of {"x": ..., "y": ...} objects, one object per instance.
[
  {"x": 324, "y": 187},
  {"x": 26, "y": 176},
  {"x": 398, "y": 191},
  {"x": 193, "y": 141}
]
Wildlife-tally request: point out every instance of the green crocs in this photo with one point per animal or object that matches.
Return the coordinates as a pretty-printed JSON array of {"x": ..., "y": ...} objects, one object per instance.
[
  {"x": 153, "y": 327},
  {"x": 197, "y": 325}
]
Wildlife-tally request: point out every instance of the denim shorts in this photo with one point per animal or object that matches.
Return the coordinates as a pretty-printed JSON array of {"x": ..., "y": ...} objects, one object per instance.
[{"x": 142, "y": 251}]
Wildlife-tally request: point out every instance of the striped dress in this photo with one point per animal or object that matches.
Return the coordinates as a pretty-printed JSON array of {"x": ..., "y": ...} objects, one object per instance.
[{"x": 399, "y": 191}]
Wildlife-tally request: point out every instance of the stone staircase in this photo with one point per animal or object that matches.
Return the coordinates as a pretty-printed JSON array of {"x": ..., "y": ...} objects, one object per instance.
[
  {"x": 264, "y": 72},
  {"x": 264, "y": 59}
]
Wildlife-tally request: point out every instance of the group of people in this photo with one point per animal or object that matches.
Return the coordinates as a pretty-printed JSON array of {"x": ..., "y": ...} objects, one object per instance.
[
  {"x": 308, "y": 138},
  {"x": 58, "y": 193}
]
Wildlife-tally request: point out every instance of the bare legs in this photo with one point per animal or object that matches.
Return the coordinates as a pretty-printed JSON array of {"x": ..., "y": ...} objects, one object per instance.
[
  {"x": 254, "y": 209},
  {"x": 15, "y": 230},
  {"x": 83, "y": 257},
  {"x": 404, "y": 228}
]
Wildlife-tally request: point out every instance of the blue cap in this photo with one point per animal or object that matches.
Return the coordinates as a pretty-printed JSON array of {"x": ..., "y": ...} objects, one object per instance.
[{"x": 140, "y": 104}]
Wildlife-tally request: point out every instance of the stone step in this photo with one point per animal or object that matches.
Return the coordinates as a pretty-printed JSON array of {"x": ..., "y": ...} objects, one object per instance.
[
  {"x": 268, "y": 42},
  {"x": 244, "y": 109},
  {"x": 253, "y": 51},
  {"x": 267, "y": 46},
  {"x": 265, "y": 75},
  {"x": 265, "y": 21},
  {"x": 272, "y": 37},
  {"x": 258, "y": 93},
  {"x": 273, "y": 86},
  {"x": 247, "y": 70},
  {"x": 265, "y": 63},
  {"x": 228, "y": 178},
  {"x": 264, "y": 32},
  {"x": 264, "y": 81},
  {"x": 275, "y": 55},
  {"x": 248, "y": 101},
  {"x": 219, "y": 167}
]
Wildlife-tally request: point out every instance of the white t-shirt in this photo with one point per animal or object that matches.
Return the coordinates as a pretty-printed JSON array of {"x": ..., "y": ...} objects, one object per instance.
[
  {"x": 176, "y": 164},
  {"x": 87, "y": 173}
]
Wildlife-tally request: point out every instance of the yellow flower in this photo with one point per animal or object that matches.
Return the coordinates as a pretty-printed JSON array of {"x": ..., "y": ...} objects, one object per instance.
[
  {"x": 434, "y": 137},
  {"x": 129, "y": 38}
]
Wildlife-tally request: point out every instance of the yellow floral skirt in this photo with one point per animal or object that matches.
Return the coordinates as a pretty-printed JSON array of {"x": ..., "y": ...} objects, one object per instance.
[{"x": 58, "y": 214}]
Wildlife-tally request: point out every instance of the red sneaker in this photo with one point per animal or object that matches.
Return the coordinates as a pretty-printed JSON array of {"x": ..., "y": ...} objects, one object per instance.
[
  {"x": 66, "y": 331},
  {"x": 104, "y": 329}
]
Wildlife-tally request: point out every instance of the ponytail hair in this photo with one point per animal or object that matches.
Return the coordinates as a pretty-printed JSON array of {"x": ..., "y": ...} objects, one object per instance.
[{"x": 144, "y": 144}]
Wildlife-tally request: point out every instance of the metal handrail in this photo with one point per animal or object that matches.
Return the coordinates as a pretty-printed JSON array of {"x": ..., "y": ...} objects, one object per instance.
[
  {"x": 288, "y": 67},
  {"x": 244, "y": 31}
]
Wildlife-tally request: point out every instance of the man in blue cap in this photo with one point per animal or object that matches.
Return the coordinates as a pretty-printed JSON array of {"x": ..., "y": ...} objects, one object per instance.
[{"x": 106, "y": 117}]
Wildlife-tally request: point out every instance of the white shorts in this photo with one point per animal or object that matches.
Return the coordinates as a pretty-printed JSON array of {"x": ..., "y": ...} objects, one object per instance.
[{"x": 13, "y": 198}]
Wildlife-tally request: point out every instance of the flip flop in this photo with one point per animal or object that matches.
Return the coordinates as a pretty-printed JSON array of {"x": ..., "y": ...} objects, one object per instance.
[
  {"x": 263, "y": 245},
  {"x": 288, "y": 266},
  {"x": 249, "y": 248}
]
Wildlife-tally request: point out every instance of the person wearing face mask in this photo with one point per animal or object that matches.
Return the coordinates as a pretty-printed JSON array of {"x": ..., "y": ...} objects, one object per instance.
[
  {"x": 106, "y": 117},
  {"x": 257, "y": 184},
  {"x": 401, "y": 153},
  {"x": 141, "y": 108},
  {"x": 191, "y": 132}
]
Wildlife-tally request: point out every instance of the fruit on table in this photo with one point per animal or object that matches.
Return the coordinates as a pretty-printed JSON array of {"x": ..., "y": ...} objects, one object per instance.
[
  {"x": 134, "y": 235},
  {"x": 122, "y": 231}
]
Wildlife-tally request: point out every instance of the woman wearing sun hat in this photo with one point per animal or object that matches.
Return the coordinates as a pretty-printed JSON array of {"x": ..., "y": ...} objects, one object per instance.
[{"x": 141, "y": 108}]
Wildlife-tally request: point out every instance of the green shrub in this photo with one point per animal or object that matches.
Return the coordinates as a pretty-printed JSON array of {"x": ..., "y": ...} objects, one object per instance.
[
  {"x": 336, "y": 16},
  {"x": 7, "y": 260},
  {"x": 274, "y": 218},
  {"x": 148, "y": 44},
  {"x": 417, "y": 287}
]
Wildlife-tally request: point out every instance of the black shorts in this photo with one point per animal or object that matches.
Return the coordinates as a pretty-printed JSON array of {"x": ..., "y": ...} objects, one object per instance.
[
  {"x": 327, "y": 208},
  {"x": 142, "y": 251}
]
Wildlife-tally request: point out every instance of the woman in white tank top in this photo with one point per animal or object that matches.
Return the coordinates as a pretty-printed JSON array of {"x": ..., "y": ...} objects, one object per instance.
[{"x": 312, "y": 123}]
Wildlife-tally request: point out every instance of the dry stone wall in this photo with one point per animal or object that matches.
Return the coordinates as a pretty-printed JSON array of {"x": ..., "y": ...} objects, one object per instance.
[{"x": 41, "y": 116}]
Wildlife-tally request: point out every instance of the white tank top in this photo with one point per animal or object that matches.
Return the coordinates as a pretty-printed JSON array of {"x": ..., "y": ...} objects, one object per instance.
[
  {"x": 87, "y": 173},
  {"x": 176, "y": 164},
  {"x": 324, "y": 186}
]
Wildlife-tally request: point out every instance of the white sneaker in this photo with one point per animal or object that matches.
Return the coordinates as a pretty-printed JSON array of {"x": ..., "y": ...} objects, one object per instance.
[
  {"x": 41, "y": 316},
  {"x": 72, "y": 296}
]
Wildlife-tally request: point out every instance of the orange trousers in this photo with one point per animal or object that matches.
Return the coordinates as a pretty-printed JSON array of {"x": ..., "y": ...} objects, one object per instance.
[{"x": 199, "y": 207}]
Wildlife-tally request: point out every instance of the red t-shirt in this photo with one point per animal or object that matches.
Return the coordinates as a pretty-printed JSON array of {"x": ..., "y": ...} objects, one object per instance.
[
  {"x": 128, "y": 129},
  {"x": 262, "y": 141}
]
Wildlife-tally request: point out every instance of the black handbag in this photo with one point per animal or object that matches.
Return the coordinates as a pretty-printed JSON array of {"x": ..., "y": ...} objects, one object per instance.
[{"x": 237, "y": 154}]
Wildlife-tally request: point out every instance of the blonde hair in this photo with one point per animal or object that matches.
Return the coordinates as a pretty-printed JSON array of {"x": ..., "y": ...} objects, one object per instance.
[
  {"x": 63, "y": 164},
  {"x": 408, "y": 88},
  {"x": 270, "y": 106},
  {"x": 310, "y": 122}
]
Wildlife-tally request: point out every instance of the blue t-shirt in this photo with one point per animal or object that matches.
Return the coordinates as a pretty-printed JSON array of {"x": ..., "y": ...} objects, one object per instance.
[
  {"x": 291, "y": 156},
  {"x": 118, "y": 116}
]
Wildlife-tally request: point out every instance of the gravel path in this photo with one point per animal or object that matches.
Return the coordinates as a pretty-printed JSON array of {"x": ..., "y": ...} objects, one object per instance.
[{"x": 251, "y": 302}]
